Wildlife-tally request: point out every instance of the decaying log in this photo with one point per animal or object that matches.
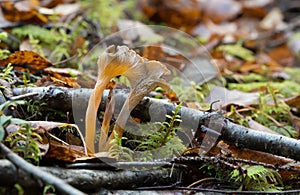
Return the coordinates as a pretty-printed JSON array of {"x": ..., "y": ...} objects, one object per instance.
[
  {"x": 63, "y": 98},
  {"x": 92, "y": 180}
]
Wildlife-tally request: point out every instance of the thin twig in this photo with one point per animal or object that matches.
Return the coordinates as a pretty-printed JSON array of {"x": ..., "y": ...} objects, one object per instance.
[
  {"x": 23, "y": 96},
  {"x": 65, "y": 60},
  {"x": 201, "y": 180}
]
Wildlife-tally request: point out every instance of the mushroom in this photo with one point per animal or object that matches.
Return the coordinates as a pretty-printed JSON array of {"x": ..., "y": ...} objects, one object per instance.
[
  {"x": 143, "y": 75},
  {"x": 152, "y": 71}
]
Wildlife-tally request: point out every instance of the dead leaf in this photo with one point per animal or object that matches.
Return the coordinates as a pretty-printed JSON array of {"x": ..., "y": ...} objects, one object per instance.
[
  {"x": 256, "y": 155},
  {"x": 259, "y": 127},
  {"x": 256, "y": 8},
  {"x": 282, "y": 55},
  {"x": 263, "y": 64},
  {"x": 26, "y": 60},
  {"x": 293, "y": 101},
  {"x": 156, "y": 52},
  {"x": 179, "y": 14},
  {"x": 132, "y": 30},
  {"x": 78, "y": 43},
  {"x": 4, "y": 23},
  {"x": 273, "y": 20},
  {"x": 57, "y": 79},
  {"x": 227, "y": 97},
  {"x": 296, "y": 123},
  {"x": 54, "y": 128},
  {"x": 67, "y": 72},
  {"x": 220, "y": 11},
  {"x": 25, "y": 10},
  {"x": 64, "y": 153},
  {"x": 65, "y": 82}
]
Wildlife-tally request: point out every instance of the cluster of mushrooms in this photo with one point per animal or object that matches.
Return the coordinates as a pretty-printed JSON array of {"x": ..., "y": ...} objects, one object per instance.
[{"x": 144, "y": 76}]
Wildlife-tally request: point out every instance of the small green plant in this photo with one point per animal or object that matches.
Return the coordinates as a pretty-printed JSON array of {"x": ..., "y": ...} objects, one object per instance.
[
  {"x": 118, "y": 151},
  {"x": 157, "y": 140},
  {"x": 111, "y": 11},
  {"x": 34, "y": 108},
  {"x": 57, "y": 40},
  {"x": 213, "y": 171},
  {"x": 271, "y": 112},
  {"x": 19, "y": 189},
  {"x": 39, "y": 111},
  {"x": 3, "y": 52},
  {"x": 190, "y": 93},
  {"x": 237, "y": 50},
  {"x": 25, "y": 143},
  {"x": 49, "y": 190},
  {"x": 257, "y": 177},
  {"x": 7, "y": 74},
  {"x": 274, "y": 115},
  {"x": 6, "y": 120},
  {"x": 164, "y": 142},
  {"x": 287, "y": 88}
]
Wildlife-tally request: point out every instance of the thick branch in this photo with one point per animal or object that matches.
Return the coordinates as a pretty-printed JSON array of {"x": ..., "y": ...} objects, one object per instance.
[
  {"x": 59, "y": 184},
  {"x": 239, "y": 135},
  {"x": 91, "y": 180}
]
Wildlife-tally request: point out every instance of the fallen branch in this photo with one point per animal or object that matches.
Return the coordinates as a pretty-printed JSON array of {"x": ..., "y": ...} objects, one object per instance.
[
  {"x": 92, "y": 180},
  {"x": 63, "y": 98},
  {"x": 38, "y": 173}
]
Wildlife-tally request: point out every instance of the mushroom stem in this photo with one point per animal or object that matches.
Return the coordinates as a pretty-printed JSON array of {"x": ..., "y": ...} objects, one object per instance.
[
  {"x": 91, "y": 114},
  {"x": 109, "y": 111},
  {"x": 131, "y": 102},
  {"x": 120, "y": 124}
]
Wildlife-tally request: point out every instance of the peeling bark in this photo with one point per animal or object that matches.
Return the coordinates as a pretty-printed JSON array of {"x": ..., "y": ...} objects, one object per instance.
[{"x": 62, "y": 99}]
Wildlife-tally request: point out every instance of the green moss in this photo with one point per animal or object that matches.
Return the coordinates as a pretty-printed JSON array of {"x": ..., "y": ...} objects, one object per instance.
[
  {"x": 286, "y": 88},
  {"x": 237, "y": 50},
  {"x": 294, "y": 74}
]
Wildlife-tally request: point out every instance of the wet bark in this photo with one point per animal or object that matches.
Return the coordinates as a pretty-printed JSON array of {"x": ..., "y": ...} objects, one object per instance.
[
  {"x": 91, "y": 180},
  {"x": 75, "y": 101}
]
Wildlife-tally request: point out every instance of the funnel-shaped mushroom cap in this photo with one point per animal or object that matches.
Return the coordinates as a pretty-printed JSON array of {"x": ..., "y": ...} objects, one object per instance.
[{"x": 113, "y": 63}]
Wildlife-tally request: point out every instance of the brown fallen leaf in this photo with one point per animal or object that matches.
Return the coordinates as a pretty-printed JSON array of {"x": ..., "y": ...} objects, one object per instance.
[
  {"x": 296, "y": 123},
  {"x": 256, "y": 8},
  {"x": 220, "y": 11},
  {"x": 66, "y": 153},
  {"x": 25, "y": 10},
  {"x": 259, "y": 127},
  {"x": 26, "y": 60},
  {"x": 254, "y": 155},
  {"x": 227, "y": 97},
  {"x": 282, "y": 55},
  {"x": 293, "y": 101},
  {"x": 156, "y": 52},
  {"x": 65, "y": 81},
  {"x": 67, "y": 72},
  {"x": 178, "y": 14}
]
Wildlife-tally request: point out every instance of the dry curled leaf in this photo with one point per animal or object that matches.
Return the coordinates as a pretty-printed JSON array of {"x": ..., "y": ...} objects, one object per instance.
[
  {"x": 25, "y": 10},
  {"x": 178, "y": 14},
  {"x": 66, "y": 153},
  {"x": 26, "y": 60}
]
